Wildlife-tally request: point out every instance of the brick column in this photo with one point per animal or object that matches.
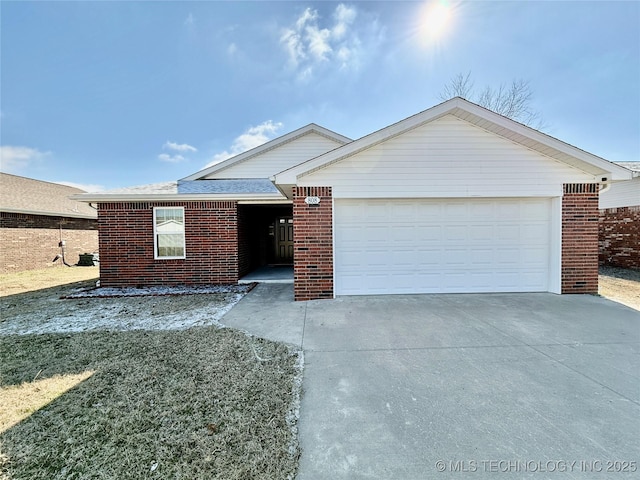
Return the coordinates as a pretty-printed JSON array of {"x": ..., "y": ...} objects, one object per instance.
[
  {"x": 312, "y": 244},
  {"x": 580, "y": 238}
]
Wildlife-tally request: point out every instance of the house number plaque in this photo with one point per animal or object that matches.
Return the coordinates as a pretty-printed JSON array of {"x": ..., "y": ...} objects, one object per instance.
[{"x": 312, "y": 200}]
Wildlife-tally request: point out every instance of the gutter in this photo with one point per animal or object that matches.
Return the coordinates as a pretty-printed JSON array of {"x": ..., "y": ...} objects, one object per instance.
[
  {"x": 69, "y": 214},
  {"x": 173, "y": 197}
]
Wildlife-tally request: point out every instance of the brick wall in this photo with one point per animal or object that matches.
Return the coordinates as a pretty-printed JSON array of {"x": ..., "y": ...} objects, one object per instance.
[
  {"x": 580, "y": 238},
  {"x": 312, "y": 244},
  {"x": 126, "y": 245},
  {"x": 30, "y": 242},
  {"x": 619, "y": 237}
]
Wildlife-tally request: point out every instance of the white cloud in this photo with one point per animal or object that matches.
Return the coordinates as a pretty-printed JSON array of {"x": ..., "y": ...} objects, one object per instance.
[
  {"x": 182, "y": 148},
  {"x": 307, "y": 16},
  {"x": 310, "y": 44},
  {"x": 165, "y": 157},
  {"x": 292, "y": 43},
  {"x": 344, "y": 17},
  {"x": 319, "y": 42},
  {"x": 15, "y": 159},
  {"x": 253, "y": 137},
  {"x": 87, "y": 187},
  {"x": 179, "y": 147}
]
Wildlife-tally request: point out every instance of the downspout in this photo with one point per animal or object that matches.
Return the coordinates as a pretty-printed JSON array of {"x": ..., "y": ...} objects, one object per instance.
[{"x": 62, "y": 246}]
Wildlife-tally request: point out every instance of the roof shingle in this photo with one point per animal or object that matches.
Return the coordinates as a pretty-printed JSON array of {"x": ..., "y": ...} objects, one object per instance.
[{"x": 26, "y": 195}]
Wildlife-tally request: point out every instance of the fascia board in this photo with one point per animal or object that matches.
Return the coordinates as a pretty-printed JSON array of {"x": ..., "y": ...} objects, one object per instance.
[
  {"x": 168, "y": 197},
  {"x": 282, "y": 201}
]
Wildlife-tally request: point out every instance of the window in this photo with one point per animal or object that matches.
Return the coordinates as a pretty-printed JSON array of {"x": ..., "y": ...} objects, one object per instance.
[{"x": 168, "y": 230}]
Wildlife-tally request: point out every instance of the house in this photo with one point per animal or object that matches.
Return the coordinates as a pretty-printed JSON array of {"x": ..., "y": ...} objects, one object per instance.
[
  {"x": 454, "y": 199},
  {"x": 35, "y": 217},
  {"x": 620, "y": 221}
]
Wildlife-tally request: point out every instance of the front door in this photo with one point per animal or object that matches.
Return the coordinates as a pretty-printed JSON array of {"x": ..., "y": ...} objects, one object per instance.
[{"x": 284, "y": 240}]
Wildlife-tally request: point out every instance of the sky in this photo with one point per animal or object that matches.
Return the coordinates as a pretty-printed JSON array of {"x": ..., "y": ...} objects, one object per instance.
[{"x": 104, "y": 95}]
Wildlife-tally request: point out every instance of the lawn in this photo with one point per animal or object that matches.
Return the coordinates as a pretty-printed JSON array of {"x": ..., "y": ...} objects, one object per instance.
[
  {"x": 199, "y": 402},
  {"x": 31, "y": 280}
]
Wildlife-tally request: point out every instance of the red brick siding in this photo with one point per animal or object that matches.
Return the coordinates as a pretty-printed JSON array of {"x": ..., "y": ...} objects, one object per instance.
[
  {"x": 312, "y": 244},
  {"x": 619, "y": 238},
  {"x": 30, "y": 242},
  {"x": 580, "y": 238},
  {"x": 126, "y": 245}
]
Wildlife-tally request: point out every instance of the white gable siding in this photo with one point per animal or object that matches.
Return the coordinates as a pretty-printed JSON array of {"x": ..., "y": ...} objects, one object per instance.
[
  {"x": 448, "y": 157},
  {"x": 623, "y": 194},
  {"x": 280, "y": 158}
]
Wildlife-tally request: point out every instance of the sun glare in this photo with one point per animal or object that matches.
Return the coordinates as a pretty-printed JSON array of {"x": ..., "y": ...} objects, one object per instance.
[
  {"x": 20, "y": 401},
  {"x": 435, "y": 20}
]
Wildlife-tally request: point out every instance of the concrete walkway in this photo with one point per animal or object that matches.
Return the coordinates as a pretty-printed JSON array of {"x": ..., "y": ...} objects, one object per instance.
[
  {"x": 270, "y": 274},
  {"x": 432, "y": 386}
]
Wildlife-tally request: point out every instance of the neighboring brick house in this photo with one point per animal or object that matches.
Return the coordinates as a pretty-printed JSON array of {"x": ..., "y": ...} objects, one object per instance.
[
  {"x": 620, "y": 222},
  {"x": 35, "y": 217},
  {"x": 454, "y": 199}
]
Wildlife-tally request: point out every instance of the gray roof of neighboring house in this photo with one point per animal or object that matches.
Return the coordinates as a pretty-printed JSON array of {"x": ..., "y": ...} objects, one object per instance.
[
  {"x": 150, "y": 189},
  {"x": 245, "y": 186},
  {"x": 35, "y": 197},
  {"x": 635, "y": 166}
]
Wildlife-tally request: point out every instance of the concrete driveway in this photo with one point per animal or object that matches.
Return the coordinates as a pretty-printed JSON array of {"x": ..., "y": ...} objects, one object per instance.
[{"x": 440, "y": 386}]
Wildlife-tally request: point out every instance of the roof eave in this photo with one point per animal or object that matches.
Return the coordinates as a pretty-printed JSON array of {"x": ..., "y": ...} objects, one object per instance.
[
  {"x": 48, "y": 214},
  {"x": 173, "y": 197}
]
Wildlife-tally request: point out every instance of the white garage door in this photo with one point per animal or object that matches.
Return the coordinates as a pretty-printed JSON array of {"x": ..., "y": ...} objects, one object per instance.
[{"x": 441, "y": 246}]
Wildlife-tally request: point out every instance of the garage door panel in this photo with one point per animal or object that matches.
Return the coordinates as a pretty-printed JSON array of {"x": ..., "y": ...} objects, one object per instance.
[
  {"x": 484, "y": 210},
  {"x": 535, "y": 256},
  {"x": 455, "y": 233},
  {"x": 507, "y": 234},
  {"x": 454, "y": 256},
  {"x": 429, "y": 234},
  {"x": 480, "y": 233},
  {"x": 535, "y": 232},
  {"x": 456, "y": 210},
  {"x": 427, "y": 258},
  {"x": 507, "y": 210},
  {"x": 407, "y": 258},
  {"x": 481, "y": 257},
  {"x": 431, "y": 246},
  {"x": 535, "y": 211}
]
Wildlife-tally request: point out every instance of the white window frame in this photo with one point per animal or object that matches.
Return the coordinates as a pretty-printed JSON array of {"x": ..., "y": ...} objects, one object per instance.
[{"x": 182, "y": 232}]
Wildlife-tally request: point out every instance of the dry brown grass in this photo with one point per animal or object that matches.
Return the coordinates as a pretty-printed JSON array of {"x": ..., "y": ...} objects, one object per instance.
[
  {"x": 31, "y": 280},
  {"x": 20, "y": 401},
  {"x": 620, "y": 285},
  {"x": 199, "y": 403}
]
